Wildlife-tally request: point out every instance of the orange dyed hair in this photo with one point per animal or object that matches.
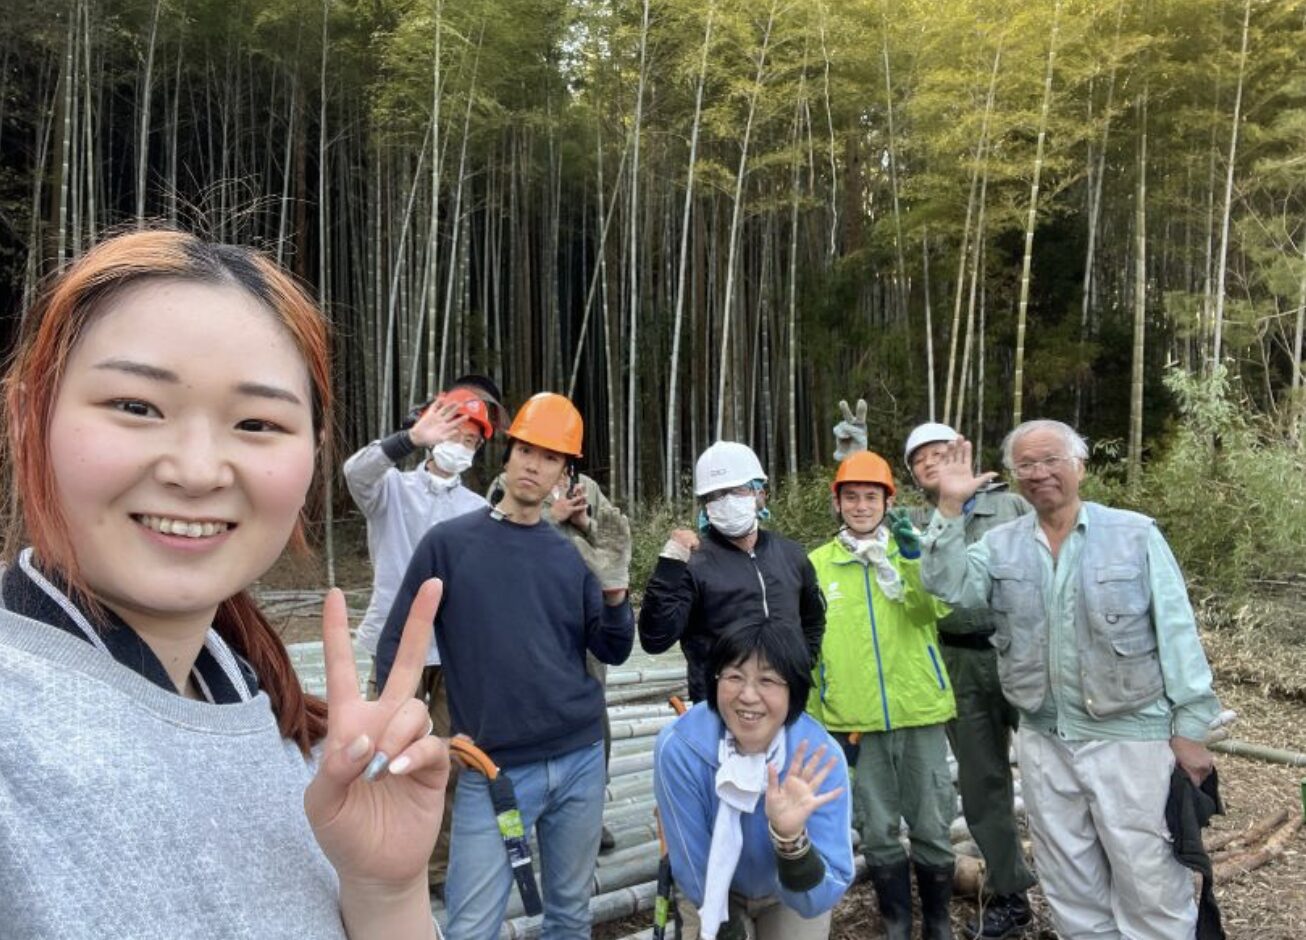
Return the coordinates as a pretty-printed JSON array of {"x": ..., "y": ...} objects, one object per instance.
[{"x": 50, "y": 331}]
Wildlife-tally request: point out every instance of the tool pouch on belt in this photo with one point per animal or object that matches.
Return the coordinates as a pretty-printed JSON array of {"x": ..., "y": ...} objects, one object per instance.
[{"x": 513, "y": 832}]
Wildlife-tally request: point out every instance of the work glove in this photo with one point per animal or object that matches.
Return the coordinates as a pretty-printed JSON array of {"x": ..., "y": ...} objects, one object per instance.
[
  {"x": 850, "y": 433},
  {"x": 608, "y": 556},
  {"x": 904, "y": 533}
]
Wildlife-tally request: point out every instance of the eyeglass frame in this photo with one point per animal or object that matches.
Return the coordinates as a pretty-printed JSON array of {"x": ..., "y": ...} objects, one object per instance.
[
  {"x": 743, "y": 489},
  {"x": 1026, "y": 468},
  {"x": 763, "y": 685}
]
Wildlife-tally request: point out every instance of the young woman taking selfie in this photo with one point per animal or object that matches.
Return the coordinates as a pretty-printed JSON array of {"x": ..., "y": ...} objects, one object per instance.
[{"x": 161, "y": 772}]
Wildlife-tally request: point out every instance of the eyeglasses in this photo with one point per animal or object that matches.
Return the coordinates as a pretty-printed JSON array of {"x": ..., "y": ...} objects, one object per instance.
[
  {"x": 1028, "y": 468},
  {"x": 744, "y": 489},
  {"x": 733, "y": 682},
  {"x": 926, "y": 457}
]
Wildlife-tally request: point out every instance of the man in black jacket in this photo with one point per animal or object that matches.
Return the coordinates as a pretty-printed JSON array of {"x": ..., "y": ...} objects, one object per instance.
[{"x": 734, "y": 571}]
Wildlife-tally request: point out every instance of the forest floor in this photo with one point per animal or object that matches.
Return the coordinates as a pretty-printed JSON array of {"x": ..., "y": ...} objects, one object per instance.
[{"x": 1259, "y": 660}]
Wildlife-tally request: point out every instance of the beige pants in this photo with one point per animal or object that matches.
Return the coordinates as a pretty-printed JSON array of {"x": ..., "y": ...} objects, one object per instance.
[
  {"x": 1103, "y": 852},
  {"x": 432, "y": 690},
  {"x": 763, "y": 919}
]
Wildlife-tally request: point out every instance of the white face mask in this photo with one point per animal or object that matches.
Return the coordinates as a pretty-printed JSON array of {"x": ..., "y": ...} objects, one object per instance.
[
  {"x": 452, "y": 457},
  {"x": 733, "y": 516}
]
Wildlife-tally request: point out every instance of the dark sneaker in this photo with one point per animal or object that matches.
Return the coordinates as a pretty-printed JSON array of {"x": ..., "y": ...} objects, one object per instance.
[{"x": 1004, "y": 917}]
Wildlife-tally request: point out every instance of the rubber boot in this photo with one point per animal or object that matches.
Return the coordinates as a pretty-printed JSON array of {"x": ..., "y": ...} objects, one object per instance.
[
  {"x": 935, "y": 887},
  {"x": 1004, "y": 916},
  {"x": 893, "y": 892}
]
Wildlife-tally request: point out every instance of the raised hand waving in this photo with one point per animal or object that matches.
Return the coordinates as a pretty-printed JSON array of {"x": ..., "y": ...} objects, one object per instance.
[
  {"x": 790, "y": 804},
  {"x": 957, "y": 481}
]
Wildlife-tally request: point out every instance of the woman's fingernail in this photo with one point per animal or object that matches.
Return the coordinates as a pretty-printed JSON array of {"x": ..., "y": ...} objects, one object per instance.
[
  {"x": 357, "y": 749},
  {"x": 376, "y": 767},
  {"x": 400, "y": 765}
]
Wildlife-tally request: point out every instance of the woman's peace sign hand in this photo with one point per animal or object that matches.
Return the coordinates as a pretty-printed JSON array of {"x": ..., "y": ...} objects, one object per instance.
[{"x": 378, "y": 833}]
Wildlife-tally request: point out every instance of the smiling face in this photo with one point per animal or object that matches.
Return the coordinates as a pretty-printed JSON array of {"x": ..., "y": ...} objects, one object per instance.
[
  {"x": 182, "y": 447},
  {"x": 753, "y": 701},
  {"x": 1045, "y": 472},
  {"x": 862, "y": 506},
  {"x": 925, "y": 463}
]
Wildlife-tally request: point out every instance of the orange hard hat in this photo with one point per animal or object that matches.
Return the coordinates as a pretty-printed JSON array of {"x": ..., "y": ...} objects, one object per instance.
[
  {"x": 550, "y": 421},
  {"x": 471, "y": 407},
  {"x": 864, "y": 467}
]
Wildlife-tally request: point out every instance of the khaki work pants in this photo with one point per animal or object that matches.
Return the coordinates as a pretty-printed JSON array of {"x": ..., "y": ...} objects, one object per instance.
[
  {"x": 763, "y": 919},
  {"x": 1103, "y": 852}
]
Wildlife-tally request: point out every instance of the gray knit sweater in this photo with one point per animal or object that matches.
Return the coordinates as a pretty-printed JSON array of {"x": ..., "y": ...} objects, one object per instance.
[{"x": 129, "y": 811}]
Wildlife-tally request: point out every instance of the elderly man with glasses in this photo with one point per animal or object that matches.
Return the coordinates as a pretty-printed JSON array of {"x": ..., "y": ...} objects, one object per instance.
[{"x": 1098, "y": 649}]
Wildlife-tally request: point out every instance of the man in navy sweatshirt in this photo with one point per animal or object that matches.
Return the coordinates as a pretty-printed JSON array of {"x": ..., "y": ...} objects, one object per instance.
[{"x": 520, "y": 610}]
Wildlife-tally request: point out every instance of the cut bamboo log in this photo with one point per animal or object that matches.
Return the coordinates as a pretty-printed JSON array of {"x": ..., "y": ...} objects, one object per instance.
[
  {"x": 645, "y": 676},
  {"x": 1272, "y": 755},
  {"x": 1249, "y": 836},
  {"x": 968, "y": 879},
  {"x": 1238, "y": 865}
]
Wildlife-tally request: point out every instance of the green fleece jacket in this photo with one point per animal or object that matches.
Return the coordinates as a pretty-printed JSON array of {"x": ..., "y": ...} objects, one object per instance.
[{"x": 879, "y": 667}]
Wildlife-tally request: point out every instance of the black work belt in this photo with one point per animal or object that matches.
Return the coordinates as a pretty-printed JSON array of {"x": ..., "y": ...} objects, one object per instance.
[{"x": 966, "y": 641}]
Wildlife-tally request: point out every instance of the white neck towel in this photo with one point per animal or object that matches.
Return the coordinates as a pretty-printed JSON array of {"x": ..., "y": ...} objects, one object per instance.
[
  {"x": 874, "y": 552},
  {"x": 740, "y": 781}
]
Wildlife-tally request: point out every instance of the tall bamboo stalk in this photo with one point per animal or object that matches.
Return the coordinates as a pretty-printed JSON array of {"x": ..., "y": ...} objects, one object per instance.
[
  {"x": 143, "y": 138},
  {"x": 632, "y": 273},
  {"x": 454, "y": 240},
  {"x": 981, "y": 147},
  {"x": 1021, "y": 315},
  {"x": 1096, "y": 175},
  {"x": 726, "y": 305},
  {"x": 324, "y": 287},
  {"x": 1222, "y": 262},
  {"x": 900, "y": 291},
  {"x": 929, "y": 322},
  {"x": 1135, "y": 452},
  {"x": 672, "y": 474},
  {"x": 65, "y": 143}
]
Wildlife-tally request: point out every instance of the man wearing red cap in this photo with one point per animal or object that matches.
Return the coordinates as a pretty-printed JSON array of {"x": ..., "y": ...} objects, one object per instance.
[{"x": 399, "y": 506}]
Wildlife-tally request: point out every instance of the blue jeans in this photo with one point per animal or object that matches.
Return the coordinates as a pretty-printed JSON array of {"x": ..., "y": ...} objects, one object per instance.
[{"x": 562, "y": 799}]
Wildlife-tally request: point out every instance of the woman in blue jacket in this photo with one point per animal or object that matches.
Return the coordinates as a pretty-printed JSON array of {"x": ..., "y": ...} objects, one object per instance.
[{"x": 753, "y": 796}]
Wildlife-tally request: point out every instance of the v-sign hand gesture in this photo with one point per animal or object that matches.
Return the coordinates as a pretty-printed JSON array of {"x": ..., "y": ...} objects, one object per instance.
[
  {"x": 790, "y": 804},
  {"x": 378, "y": 833}
]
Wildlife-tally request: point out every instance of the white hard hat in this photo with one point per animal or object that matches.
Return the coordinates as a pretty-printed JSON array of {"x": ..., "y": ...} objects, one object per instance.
[
  {"x": 726, "y": 464},
  {"x": 929, "y": 433}
]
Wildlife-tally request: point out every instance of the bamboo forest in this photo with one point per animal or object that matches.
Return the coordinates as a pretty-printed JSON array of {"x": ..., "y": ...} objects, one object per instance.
[{"x": 707, "y": 218}]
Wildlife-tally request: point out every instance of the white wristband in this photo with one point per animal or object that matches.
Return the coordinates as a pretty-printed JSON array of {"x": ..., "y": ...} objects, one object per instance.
[{"x": 675, "y": 551}]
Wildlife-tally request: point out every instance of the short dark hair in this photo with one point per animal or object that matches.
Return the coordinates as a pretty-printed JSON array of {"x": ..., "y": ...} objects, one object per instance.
[
  {"x": 478, "y": 383},
  {"x": 779, "y": 644}
]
